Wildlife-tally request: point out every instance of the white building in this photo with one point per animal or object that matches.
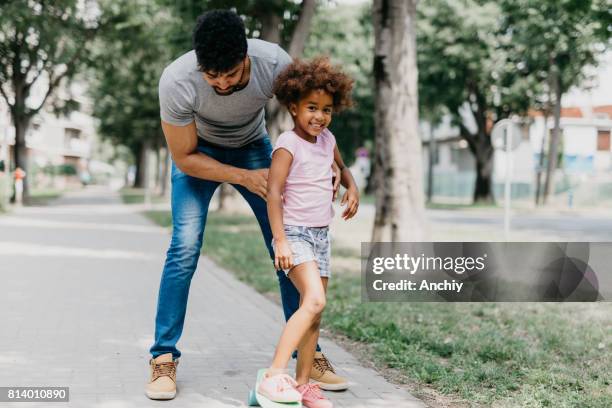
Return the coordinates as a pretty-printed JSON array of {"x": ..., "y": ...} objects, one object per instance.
[
  {"x": 585, "y": 150},
  {"x": 54, "y": 144},
  {"x": 585, "y": 138},
  {"x": 453, "y": 167}
]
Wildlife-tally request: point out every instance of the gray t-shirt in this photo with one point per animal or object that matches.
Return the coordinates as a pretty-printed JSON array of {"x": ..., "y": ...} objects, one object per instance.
[{"x": 232, "y": 120}]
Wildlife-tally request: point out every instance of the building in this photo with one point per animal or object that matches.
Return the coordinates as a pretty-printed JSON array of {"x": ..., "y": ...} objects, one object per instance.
[
  {"x": 585, "y": 156},
  {"x": 59, "y": 148}
]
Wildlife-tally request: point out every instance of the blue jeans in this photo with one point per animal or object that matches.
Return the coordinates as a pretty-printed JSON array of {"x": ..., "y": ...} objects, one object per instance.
[{"x": 190, "y": 199}]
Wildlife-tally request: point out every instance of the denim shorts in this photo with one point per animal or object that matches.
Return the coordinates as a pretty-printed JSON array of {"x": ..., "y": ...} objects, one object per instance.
[{"x": 309, "y": 244}]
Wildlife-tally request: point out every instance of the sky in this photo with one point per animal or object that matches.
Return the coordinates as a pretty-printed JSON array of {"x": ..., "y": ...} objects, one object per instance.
[{"x": 601, "y": 94}]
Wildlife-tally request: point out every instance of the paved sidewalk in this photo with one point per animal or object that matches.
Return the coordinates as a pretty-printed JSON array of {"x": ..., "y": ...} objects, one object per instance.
[{"x": 77, "y": 306}]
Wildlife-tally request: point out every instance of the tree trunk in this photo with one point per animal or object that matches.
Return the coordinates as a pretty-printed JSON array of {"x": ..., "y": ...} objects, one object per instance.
[
  {"x": 483, "y": 154},
  {"x": 278, "y": 119},
  {"x": 139, "y": 155},
  {"x": 483, "y": 192},
  {"x": 538, "y": 192},
  {"x": 400, "y": 209},
  {"x": 554, "y": 140},
  {"x": 270, "y": 27},
  {"x": 270, "y": 31},
  {"x": 302, "y": 28},
  {"x": 20, "y": 153},
  {"x": 165, "y": 173},
  {"x": 158, "y": 170},
  {"x": 224, "y": 193},
  {"x": 430, "y": 165}
]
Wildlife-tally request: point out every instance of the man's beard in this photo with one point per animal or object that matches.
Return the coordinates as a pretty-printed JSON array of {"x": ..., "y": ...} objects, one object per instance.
[
  {"x": 230, "y": 90},
  {"x": 227, "y": 92}
]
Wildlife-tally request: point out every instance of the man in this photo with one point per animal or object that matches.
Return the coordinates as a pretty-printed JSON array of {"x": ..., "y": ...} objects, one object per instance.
[{"x": 212, "y": 110}]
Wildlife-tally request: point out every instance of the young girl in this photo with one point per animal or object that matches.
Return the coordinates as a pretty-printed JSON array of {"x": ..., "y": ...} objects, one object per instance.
[{"x": 300, "y": 195}]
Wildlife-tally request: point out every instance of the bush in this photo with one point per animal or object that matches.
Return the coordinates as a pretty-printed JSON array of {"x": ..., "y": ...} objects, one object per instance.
[{"x": 56, "y": 170}]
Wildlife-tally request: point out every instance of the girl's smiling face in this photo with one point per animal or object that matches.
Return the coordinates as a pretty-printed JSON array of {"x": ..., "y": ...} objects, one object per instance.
[{"x": 312, "y": 113}]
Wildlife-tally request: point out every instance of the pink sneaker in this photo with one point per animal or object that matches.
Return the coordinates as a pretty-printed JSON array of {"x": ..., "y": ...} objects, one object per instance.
[
  {"x": 279, "y": 388},
  {"x": 312, "y": 397}
]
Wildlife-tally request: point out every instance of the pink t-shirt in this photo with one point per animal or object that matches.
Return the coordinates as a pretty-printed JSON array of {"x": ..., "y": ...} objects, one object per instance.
[{"x": 308, "y": 193}]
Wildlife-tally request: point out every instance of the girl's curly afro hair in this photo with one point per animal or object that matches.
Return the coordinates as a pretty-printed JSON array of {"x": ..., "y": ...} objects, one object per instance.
[{"x": 300, "y": 77}]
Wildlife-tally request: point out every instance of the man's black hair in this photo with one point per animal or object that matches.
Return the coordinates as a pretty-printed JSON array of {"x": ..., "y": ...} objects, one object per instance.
[{"x": 219, "y": 40}]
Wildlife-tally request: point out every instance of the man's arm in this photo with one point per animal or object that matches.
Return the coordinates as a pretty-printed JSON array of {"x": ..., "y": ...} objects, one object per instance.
[{"x": 183, "y": 141}]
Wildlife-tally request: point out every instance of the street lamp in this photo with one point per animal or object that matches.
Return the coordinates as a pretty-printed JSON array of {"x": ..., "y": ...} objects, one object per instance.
[{"x": 506, "y": 135}]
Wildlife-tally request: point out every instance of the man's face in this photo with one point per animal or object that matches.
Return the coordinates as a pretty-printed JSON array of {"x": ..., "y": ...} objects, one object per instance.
[{"x": 224, "y": 83}]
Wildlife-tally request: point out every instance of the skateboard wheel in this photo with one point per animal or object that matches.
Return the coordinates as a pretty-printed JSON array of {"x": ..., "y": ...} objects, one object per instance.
[{"x": 252, "y": 400}]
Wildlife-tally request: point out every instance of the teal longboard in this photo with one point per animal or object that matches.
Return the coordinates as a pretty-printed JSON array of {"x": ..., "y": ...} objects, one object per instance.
[{"x": 256, "y": 399}]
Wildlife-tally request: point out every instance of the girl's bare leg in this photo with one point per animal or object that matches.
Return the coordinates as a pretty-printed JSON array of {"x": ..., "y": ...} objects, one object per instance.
[
  {"x": 307, "y": 280},
  {"x": 307, "y": 347}
]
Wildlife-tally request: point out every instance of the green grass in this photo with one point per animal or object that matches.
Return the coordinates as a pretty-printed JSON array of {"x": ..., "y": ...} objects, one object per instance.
[
  {"x": 136, "y": 196},
  {"x": 507, "y": 354},
  {"x": 42, "y": 197},
  {"x": 38, "y": 197}
]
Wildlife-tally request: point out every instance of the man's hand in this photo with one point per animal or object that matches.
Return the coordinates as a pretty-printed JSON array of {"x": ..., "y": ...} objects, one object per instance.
[
  {"x": 351, "y": 198},
  {"x": 256, "y": 181},
  {"x": 283, "y": 258},
  {"x": 336, "y": 179}
]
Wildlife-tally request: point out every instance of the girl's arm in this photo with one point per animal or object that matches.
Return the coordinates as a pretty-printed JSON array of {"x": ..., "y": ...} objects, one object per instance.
[
  {"x": 279, "y": 169},
  {"x": 351, "y": 196}
]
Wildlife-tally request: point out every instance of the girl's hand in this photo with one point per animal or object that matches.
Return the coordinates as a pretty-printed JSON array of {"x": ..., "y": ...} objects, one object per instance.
[
  {"x": 283, "y": 258},
  {"x": 336, "y": 179},
  {"x": 351, "y": 198}
]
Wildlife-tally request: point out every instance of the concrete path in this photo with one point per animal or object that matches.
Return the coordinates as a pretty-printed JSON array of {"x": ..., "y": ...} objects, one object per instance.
[{"x": 77, "y": 306}]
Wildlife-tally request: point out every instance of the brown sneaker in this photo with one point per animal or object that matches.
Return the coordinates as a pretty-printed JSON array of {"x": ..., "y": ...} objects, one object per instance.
[
  {"x": 163, "y": 378},
  {"x": 325, "y": 376}
]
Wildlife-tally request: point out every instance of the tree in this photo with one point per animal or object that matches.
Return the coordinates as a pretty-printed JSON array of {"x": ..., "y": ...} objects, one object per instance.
[
  {"x": 462, "y": 71},
  {"x": 42, "y": 45},
  {"x": 570, "y": 34},
  {"x": 127, "y": 62},
  {"x": 484, "y": 60},
  {"x": 292, "y": 35},
  {"x": 398, "y": 173},
  {"x": 345, "y": 34},
  {"x": 285, "y": 22}
]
